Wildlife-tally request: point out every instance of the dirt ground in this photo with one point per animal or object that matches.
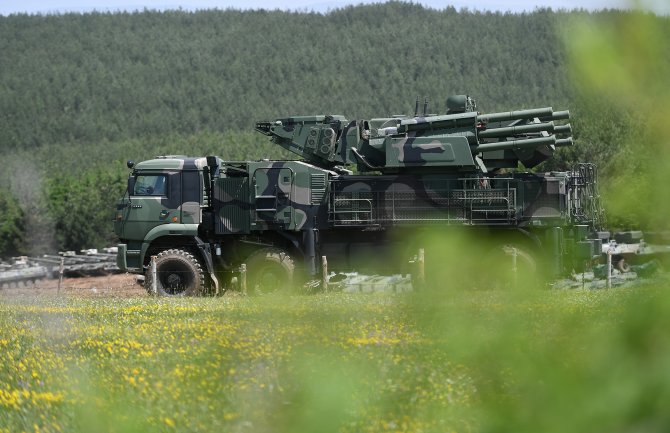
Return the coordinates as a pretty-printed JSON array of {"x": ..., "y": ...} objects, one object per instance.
[{"x": 108, "y": 286}]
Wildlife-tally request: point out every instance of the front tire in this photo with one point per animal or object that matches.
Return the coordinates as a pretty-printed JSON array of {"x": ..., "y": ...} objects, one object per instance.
[
  {"x": 269, "y": 270},
  {"x": 179, "y": 273}
]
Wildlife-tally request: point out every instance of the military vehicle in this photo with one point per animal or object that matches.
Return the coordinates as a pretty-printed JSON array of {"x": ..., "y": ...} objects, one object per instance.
[{"x": 362, "y": 190}]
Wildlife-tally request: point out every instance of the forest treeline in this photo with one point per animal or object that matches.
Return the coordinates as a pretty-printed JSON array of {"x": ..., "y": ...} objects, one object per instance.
[
  {"x": 82, "y": 93},
  {"x": 89, "y": 77}
]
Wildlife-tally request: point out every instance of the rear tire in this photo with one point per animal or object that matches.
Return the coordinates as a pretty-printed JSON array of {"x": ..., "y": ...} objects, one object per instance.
[
  {"x": 269, "y": 270},
  {"x": 179, "y": 273},
  {"x": 622, "y": 265}
]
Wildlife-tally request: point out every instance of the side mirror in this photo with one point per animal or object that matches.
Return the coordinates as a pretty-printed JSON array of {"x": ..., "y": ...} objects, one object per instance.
[{"x": 131, "y": 185}]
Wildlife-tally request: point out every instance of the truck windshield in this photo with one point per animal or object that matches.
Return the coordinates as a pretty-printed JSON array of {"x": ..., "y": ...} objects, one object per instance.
[{"x": 153, "y": 184}]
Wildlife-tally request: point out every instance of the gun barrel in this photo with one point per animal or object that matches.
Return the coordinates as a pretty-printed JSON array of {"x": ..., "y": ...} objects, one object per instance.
[
  {"x": 514, "y": 115},
  {"x": 544, "y": 114},
  {"x": 509, "y": 131},
  {"x": 461, "y": 120},
  {"x": 516, "y": 144}
]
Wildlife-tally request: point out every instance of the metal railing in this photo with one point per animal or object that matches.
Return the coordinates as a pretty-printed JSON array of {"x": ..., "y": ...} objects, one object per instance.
[
  {"x": 474, "y": 202},
  {"x": 583, "y": 196}
]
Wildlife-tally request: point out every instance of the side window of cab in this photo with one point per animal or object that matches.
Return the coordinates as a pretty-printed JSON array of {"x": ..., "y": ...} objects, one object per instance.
[{"x": 150, "y": 185}]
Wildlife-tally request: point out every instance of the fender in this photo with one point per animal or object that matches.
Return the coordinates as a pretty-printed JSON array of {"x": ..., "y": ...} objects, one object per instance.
[
  {"x": 206, "y": 254},
  {"x": 171, "y": 230},
  {"x": 531, "y": 238},
  {"x": 190, "y": 230}
]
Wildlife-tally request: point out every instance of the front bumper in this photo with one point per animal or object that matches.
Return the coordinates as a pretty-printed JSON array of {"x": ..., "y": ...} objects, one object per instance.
[{"x": 128, "y": 260}]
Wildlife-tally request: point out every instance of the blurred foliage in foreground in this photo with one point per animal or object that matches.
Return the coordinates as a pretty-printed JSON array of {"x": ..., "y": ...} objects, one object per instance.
[
  {"x": 558, "y": 361},
  {"x": 483, "y": 361},
  {"x": 622, "y": 63}
]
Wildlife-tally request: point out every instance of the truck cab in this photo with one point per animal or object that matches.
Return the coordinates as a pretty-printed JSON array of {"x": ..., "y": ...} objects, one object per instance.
[{"x": 163, "y": 202}]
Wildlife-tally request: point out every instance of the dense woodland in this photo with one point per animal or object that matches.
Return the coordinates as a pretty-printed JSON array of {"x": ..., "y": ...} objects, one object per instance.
[{"x": 82, "y": 93}]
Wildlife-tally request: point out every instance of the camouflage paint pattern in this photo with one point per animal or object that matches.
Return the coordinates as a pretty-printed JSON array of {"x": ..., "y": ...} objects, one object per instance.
[
  {"x": 177, "y": 205},
  {"x": 514, "y": 200},
  {"x": 416, "y": 171},
  {"x": 271, "y": 195},
  {"x": 450, "y": 142},
  {"x": 295, "y": 196}
]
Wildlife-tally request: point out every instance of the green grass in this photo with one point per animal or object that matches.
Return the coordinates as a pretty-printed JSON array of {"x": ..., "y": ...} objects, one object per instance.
[{"x": 431, "y": 361}]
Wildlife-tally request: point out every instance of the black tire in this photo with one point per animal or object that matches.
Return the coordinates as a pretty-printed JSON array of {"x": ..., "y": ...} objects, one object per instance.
[
  {"x": 269, "y": 270},
  {"x": 622, "y": 265},
  {"x": 179, "y": 273}
]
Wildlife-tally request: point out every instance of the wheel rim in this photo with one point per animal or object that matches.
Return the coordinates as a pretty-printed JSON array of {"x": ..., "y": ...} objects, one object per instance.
[
  {"x": 623, "y": 266},
  {"x": 175, "y": 278},
  {"x": 269, "y": 270},
  {"x": 174, "y": 284},
  {"x": 269, "y": 279}
]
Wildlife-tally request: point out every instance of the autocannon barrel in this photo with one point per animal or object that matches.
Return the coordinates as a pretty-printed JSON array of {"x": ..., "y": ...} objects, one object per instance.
[
  {"x": 544, "y": 114},
  {"x": 509, "y": 131},
  {"x": 517, "y": 129},
  {"x": 519, "y": 114},
  {"x": 461, "y": 120},
  {"x": 516, "y": 144}
]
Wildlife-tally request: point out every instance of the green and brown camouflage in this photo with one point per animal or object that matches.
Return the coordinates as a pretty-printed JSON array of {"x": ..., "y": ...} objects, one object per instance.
[
  {"x": 462, "y": 140},
  {"x": 270, "y": 195},
  {"x": 413, "y": 173},
  {"x": 164, "y": 198}
]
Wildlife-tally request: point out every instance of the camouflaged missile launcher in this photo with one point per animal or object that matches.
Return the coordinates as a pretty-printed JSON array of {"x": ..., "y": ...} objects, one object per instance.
[
  {"x": 461, "y": 141},
  {"x": 202, "y": 218}
]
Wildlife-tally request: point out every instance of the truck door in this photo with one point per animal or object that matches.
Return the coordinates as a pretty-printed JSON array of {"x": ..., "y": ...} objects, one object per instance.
[
  {"x": 192, "y": 197},
  {"x": 154, "y": 200}
]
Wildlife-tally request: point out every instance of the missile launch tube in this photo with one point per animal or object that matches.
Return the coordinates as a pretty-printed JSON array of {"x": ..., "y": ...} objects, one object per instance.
[
  {"x": 564, "y": 142},
  {"x": 516, "y": 144},
  {"x": 563, "y": 129},
  {"x": 559, "y": 115}
]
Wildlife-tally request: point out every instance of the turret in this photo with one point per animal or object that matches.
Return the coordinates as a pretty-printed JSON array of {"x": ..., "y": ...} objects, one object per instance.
[{"x": 462, "y": 140}]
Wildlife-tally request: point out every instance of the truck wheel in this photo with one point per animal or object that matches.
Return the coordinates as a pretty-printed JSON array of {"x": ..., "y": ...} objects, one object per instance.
[
  {"x": 269, "y": 270},
  {"x": 622, "y": 265},
  {"x": 499, "y": 272},
  {"x": 178, "y": 272}
]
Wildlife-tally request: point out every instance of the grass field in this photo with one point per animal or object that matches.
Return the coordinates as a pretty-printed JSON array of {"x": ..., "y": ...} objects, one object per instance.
[{"x": 435, "y": 361}]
